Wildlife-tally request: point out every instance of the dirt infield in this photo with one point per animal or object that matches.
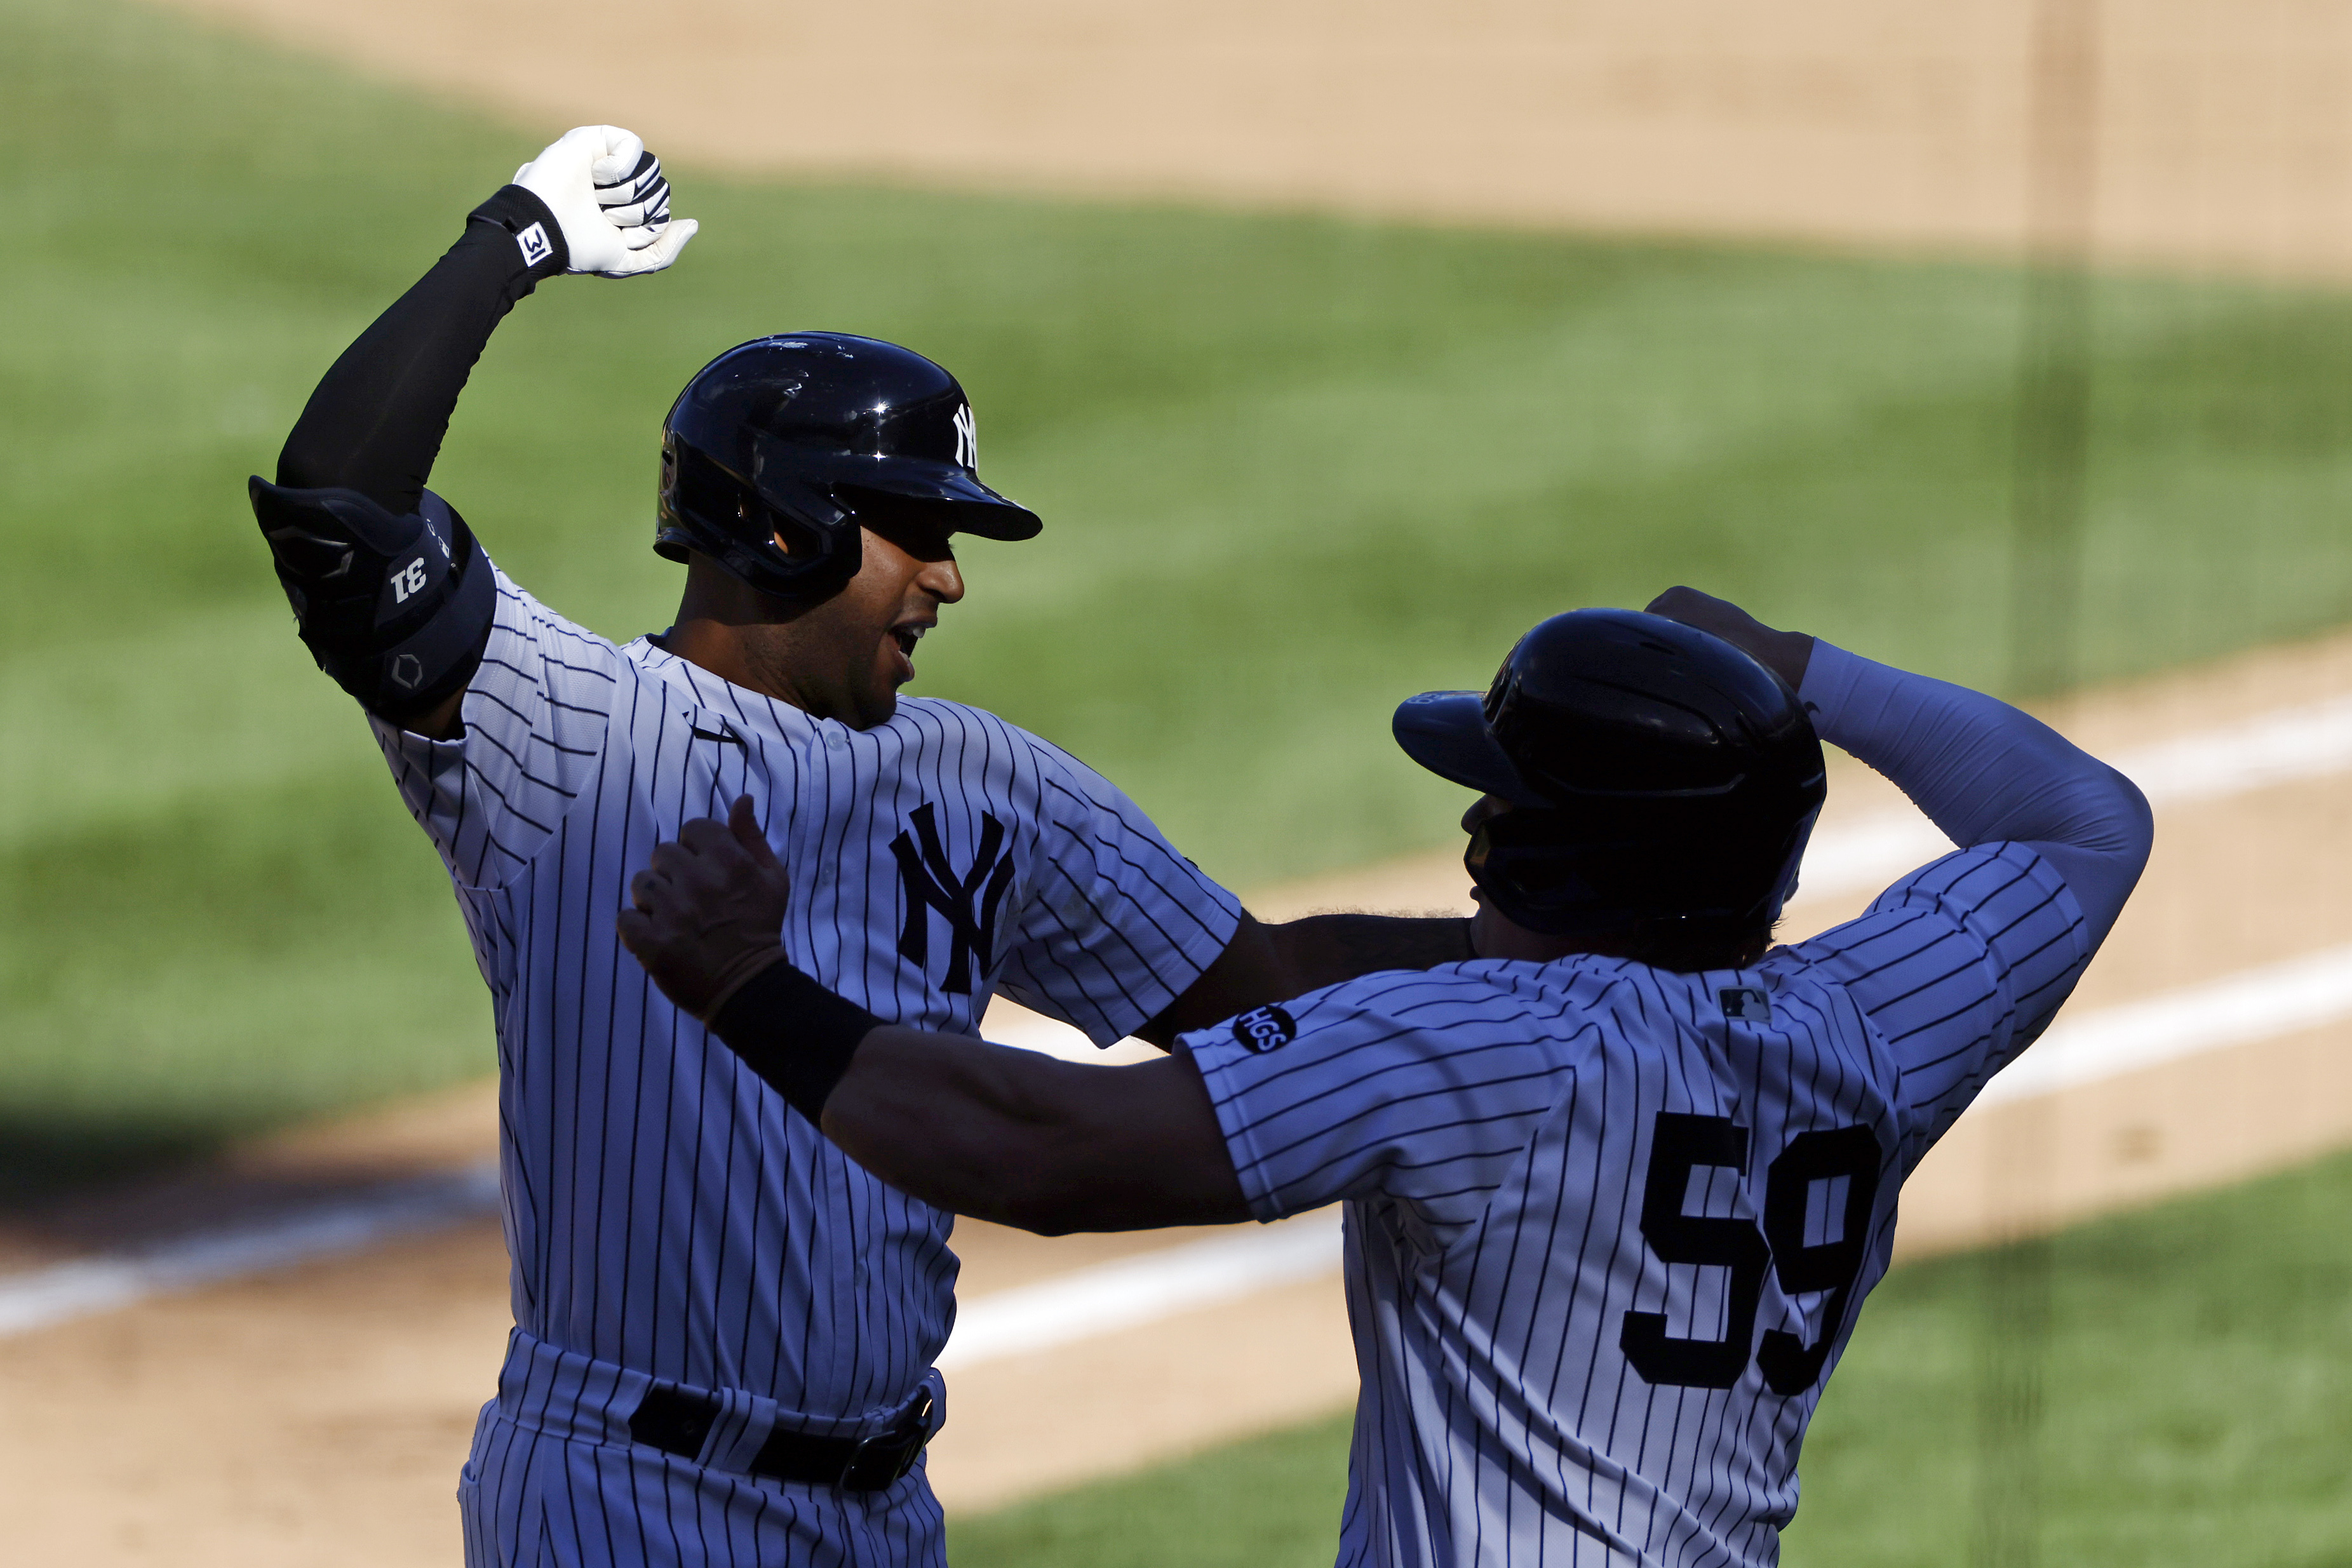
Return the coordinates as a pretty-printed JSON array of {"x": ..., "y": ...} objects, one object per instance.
[
  {"x": 318, "y": 1414},
  {"x": 2221, "y": 129}
]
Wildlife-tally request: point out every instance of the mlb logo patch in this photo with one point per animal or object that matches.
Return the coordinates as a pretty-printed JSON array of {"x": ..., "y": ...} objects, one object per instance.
[
  {"x": 1262, "y": 1030},
  {"x": 535, "y": 245},
  {"x": 1745, "y": 1004}
]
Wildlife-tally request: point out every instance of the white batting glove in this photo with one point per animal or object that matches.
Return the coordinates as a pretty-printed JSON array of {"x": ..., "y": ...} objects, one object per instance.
[{"x": 608, "y": 193}]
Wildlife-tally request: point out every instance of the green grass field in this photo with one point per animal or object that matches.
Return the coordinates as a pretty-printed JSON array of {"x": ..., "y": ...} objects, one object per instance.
[
  {"x": 1292, "y": 468},
  {"x": 2197, "y": 1398}
]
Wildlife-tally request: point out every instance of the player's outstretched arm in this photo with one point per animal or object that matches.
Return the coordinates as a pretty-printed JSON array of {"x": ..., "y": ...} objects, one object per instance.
[
  {"x": 594, "y": 201},
  {"x": 382, "y": 575},
  {"x": 1266, "y": 963},
  {"x": 1002, "y": 1134},
  {"x": 1021, "y": 1139}
]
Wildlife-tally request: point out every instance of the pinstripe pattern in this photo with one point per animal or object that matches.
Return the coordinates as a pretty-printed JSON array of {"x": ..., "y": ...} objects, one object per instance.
[
  {"x": 664, "y": 1211},
  {"x": 1491, "y": 1126}
]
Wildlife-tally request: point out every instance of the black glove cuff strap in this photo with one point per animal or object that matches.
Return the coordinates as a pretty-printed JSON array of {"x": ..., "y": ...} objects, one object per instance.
[
  {"x": 538, "y": 237},
  {"x": 793, "y": 1034}
]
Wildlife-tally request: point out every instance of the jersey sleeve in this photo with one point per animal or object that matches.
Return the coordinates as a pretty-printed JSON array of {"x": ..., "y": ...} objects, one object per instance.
[
  {"x": 1425, "y": 1088},
  {"x": 535, "y": 716},
  {"x": 1116, "y": 923},
  {"x": 1959, "y": 965}
]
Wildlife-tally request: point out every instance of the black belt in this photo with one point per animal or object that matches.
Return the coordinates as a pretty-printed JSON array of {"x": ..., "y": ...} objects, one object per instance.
[{"x": 677, "y": 1422}]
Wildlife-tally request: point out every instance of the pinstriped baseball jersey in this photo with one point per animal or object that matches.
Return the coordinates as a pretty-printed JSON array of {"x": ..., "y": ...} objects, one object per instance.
[
  {"x": 1607, "y": 1224},
  {"x": 665, "y": 1211}
]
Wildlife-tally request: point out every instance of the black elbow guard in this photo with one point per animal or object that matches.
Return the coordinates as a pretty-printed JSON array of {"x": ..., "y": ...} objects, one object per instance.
[{"x": 396, "y": 609}]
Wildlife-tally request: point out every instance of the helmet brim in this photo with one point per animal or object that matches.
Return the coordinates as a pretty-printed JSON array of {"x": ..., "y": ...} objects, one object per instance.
[
  {"x": 1446, "y": 733},
  {"x": 973, "y": 506}
]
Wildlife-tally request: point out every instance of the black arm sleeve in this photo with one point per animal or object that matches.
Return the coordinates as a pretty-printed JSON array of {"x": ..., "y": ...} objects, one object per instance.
[{"x": 375, "y": 423}]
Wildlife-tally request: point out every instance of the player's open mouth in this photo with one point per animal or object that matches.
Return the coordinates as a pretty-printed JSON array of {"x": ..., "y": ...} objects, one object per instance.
[{"x": 908, "y": 634}]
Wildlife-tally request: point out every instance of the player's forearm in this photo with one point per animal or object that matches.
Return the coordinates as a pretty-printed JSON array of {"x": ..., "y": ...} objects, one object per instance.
[
  {"x": 1265, "y": 964},
  {"x": 375, "y": 423},
  {"x": 1985, "y": 773},
  {"x": 1325, "y": 950},
  {"x": 1021, "y": 1139},
  {"x": 1002, "y": 1134},
  {"x": 951, "y": 1126}
]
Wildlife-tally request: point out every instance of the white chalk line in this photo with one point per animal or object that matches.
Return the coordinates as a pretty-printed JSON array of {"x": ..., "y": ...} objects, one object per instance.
[
  {"x": 40, "y": 1297},
  {"x": 1142, "y": 1290},
  {"x": 2253, "y": 1005},
  {"x": 2276, "y": 999}
]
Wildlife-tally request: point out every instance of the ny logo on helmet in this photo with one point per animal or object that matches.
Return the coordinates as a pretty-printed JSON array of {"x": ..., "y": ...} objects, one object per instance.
[
  {"x": 968, "y": 902},
  {"x": 967, "y": 438}
]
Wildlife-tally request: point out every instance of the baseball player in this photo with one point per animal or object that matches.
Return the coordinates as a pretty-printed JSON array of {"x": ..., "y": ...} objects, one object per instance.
[
  {"x": 724, "y": 1328},
  {"x": 1615, "y": 1189}
]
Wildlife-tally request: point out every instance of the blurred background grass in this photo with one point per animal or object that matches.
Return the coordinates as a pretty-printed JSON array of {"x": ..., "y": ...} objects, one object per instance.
[{"x": 1292, "y": 468}]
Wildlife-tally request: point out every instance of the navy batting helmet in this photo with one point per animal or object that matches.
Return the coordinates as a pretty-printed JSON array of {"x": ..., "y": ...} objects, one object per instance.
[
  {"x": 1663, "y": 782},
  {"x": 777, "y": 447}
]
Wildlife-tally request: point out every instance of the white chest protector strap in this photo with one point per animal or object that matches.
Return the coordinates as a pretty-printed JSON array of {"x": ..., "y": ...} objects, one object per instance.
[{"x": 396, "y": 609}]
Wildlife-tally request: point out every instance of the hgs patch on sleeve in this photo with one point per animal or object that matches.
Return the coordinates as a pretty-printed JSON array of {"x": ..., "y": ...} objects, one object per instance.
[{"x": 1265, "y": 1029}]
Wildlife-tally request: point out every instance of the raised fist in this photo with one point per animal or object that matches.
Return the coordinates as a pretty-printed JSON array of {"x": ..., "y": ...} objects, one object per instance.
[{"x": 608, "y": 193}]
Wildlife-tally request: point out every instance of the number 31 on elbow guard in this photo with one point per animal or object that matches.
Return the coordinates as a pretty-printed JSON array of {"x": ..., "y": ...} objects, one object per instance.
[
  {"x": 1681, "y": 1144},
  {"x": 408, "y": 580}
]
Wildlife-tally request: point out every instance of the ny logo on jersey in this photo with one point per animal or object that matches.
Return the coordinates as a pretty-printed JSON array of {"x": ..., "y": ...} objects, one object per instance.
[
  {"x": 969, "y": 903},
  {"x": 967, "y": 431}
]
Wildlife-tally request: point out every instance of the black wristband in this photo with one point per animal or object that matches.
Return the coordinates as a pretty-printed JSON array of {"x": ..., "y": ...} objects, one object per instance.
[{"x": 793, "y": 1034}]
